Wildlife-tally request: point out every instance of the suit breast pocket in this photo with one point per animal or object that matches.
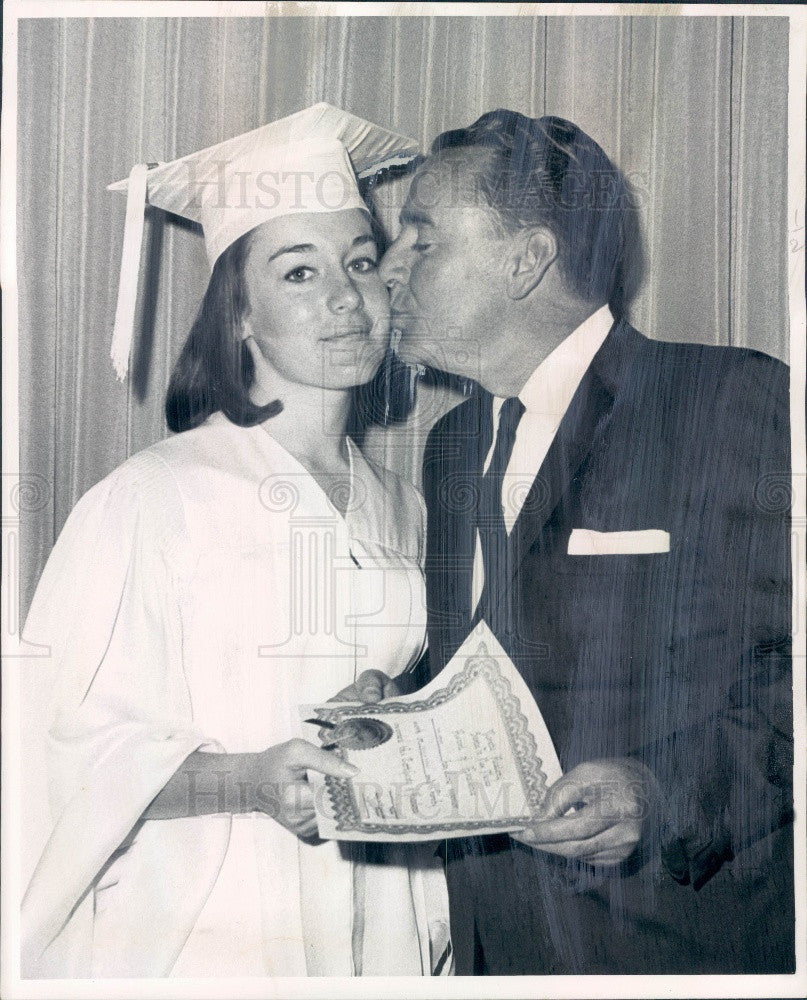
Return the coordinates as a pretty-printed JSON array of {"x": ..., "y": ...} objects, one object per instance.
[
  {"x": 619, "y": 562},
  {"x": 605, "y": 605},
  {"x": 611, "y": 586},
  {"x": 589, "y": 595}
]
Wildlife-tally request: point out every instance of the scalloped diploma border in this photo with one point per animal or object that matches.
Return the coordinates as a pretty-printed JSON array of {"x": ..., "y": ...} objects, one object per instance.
[{"x": 522, "y": 743}]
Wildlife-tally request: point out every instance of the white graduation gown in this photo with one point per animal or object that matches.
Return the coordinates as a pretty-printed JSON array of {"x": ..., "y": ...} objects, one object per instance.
[{"x": 195, "y": 598}]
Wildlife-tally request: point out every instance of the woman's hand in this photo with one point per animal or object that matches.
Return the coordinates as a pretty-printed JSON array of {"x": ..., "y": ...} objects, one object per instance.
[
  {"x": 370, "y": 686},
  {"x": 280, "y": 788},
  {"x": 272, "y": 781}
]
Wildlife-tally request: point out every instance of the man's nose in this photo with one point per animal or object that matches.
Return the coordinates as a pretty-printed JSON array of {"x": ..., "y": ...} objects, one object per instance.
[{"x": 394, "y": 269}]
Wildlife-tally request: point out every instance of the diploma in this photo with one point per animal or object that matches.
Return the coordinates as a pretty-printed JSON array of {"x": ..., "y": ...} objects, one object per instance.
[{"x": 468, "y": 754}]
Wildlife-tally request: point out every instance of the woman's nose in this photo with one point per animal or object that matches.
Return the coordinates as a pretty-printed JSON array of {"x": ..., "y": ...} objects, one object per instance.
[{"x": 345, "y": 297}]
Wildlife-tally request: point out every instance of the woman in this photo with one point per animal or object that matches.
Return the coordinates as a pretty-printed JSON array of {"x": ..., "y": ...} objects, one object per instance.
[{"x": 205, "y": 590}]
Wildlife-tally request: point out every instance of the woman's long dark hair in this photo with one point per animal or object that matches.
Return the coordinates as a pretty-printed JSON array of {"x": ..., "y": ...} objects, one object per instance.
[{"x": 215, "y": 370}]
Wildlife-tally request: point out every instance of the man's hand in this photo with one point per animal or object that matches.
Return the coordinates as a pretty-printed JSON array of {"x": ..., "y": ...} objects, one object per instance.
[
  {"x": 611, "y": 799},
  {"x": 370, "y": 686}
]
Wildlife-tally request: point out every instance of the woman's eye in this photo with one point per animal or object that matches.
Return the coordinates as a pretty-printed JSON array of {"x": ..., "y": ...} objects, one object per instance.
[
  {"x": 421, "y": 247},
  {"x": 364, "y": 264},
  {"x": 299, "y": 274}
]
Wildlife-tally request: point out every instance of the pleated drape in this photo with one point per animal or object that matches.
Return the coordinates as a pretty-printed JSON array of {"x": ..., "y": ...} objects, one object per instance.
[{"x": 693, "y": 110}]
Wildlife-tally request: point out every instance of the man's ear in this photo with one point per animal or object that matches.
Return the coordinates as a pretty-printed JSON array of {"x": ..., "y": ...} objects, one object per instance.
[{"x": 534, "y": 251}]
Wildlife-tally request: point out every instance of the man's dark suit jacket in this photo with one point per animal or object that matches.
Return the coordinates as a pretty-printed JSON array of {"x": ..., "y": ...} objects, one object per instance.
[{"x": 679, "y": 660}]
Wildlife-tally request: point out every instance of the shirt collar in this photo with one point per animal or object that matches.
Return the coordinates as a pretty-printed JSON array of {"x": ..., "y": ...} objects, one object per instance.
[{"x": 549, "y": 390}]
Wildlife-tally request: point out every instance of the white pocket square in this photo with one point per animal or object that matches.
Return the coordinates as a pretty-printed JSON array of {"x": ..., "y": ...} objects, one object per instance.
[{"x": 584, "y": 542}]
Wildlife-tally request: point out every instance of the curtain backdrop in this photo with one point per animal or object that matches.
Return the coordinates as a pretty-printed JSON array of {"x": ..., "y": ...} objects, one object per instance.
[{"x": 692, "y": 109}]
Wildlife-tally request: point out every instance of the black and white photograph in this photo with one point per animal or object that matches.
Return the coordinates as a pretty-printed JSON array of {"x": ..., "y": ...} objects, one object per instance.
[{"x": 403, "y": 500}]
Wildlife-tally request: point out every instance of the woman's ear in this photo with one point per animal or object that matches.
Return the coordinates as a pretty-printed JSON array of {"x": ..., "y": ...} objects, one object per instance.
[
  {"x": 534, "y": 251},
  {"x": 246, "y": 329},
  {"x": 263, "y": 376}
]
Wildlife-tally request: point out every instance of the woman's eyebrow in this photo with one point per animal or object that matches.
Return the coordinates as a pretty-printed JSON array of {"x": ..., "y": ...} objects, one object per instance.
[
  {"x": 297, "y": 248},
  {"x": 309, "y": 247}
]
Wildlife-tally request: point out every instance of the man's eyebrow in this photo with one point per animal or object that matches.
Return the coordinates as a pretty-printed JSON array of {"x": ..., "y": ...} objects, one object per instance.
[
  {"x": 297, "y": 248},
  {"x": 414, "y": 217}
]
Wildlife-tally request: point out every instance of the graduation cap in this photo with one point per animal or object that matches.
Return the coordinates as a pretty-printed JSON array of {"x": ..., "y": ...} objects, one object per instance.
[{"x": 307, "y": 162}]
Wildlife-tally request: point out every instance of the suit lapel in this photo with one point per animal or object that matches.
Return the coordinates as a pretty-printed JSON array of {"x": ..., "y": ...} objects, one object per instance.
[
  {"x": 569, "y": 449},
  {"x": 579, "y": 430},
  {"x": 582, "y": 425}
]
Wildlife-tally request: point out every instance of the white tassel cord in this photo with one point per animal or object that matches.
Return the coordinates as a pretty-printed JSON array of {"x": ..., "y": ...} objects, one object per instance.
[{"x": 129, "y": 270}]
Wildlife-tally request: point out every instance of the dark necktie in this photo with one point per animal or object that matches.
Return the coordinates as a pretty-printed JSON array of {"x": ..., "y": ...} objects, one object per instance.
[{"x": 490, "y": 512}]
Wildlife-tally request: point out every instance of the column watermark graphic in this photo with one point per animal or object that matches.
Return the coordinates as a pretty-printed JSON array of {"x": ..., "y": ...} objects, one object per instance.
[{"x": 21, "y": 495}]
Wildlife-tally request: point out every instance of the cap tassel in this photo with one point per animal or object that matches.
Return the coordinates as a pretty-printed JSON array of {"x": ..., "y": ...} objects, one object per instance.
[{"x": 129, "y": 270}]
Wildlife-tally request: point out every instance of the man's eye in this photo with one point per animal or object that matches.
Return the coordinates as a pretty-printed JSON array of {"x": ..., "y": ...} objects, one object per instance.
[
  {"x": 364, "y": 265},
  {"x": 299, "y": 274},
  {"x": 420, "y": 247}
]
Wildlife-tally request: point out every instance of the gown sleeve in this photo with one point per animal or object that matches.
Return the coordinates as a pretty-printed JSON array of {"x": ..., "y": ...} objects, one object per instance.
[{"x": 109, "y": 607}]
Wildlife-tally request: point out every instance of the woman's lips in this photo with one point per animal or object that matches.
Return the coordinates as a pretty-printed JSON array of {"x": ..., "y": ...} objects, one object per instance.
[{"x": 356, "y": 332}]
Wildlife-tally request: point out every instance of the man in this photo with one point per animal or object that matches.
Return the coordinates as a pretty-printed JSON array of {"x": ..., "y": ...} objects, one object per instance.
[{"x": 621, "y": 545}]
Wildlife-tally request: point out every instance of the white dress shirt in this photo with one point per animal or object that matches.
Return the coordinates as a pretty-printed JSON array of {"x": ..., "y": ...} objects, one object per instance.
[{"x": 546, "y": 397}]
